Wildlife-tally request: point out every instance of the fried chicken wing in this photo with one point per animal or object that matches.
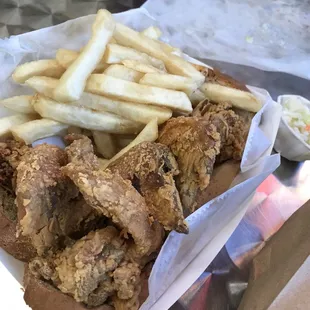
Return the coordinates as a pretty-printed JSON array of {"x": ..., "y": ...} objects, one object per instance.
[
  {"x": 232, "y": 124},
  {"x": 84, "y": 270},
  {"x": 109, "y": 193},
  {"x": 151, "y": 167},
  {"x": 41, "y": 188},
  {"x": 195, "y": 143}
]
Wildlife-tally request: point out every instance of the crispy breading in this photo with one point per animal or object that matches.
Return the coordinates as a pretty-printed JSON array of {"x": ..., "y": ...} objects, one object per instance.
[
  {"x": 195, "y": 143},
  {"x": 41, "y": 188},
  {"x": 151, "y": 167},
  {"x": 11, "y": 152},
  {"x": 19, "y": 247},
  {"x": 84, "y": 270},
  {"x": 126, "y": 279},
  {"x": 233, "y": 126},
  {"x": 109, "y": 193}
]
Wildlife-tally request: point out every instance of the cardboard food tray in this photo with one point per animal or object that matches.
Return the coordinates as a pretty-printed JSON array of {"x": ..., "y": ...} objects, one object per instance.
[{"x": 183, "y": 257}]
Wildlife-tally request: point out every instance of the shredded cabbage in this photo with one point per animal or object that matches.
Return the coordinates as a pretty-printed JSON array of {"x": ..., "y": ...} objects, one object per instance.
[{"x": 297, "y": 115}]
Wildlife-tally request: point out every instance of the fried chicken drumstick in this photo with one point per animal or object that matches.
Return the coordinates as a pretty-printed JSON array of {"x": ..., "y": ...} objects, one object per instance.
[{"x": 151, "y": 167}]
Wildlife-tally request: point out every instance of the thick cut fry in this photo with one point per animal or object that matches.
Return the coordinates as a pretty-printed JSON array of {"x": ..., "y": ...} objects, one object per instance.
[
  {"x": 67, "y": 57},
  {"x": 107, "y": 85},
  {"x": 72, "y": 83},
  {"x": 38, "y": 129},
  {"x": 196, "y": 97},
  {"x": 152, "y": 32},
  {"x": 115, "y": 54},
  {"x": 238, "y": 98},
  {"x": 129, "y": 110},
  {"x": 103, "y": 162},
  {"x": 176, "y": 82},
  {"x": 45, "y": 67},
  {"x": 148, "y": 134},
  {"x": 6, "y": 123},
  {"x": 141, "y": 67},
  {"x": 123, "y": 73},
  {"x": 21, "y": 104},
  {"x": 104, "y": 143},
  {"x": 43, "y": 85},
  {"x": 174, "y": 64},
  {"x": 123, "y": 140},
  {"x": 84, "y": 118}
]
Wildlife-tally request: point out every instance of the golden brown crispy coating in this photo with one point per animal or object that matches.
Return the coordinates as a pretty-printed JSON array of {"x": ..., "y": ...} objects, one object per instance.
[
  {"x": 109, "y": 193},
  {"x": 127, "y": 279},
  {"x": 233, "y": 126},
  {"x": 151, "y": 168},
  {"x": 41, "y": 188},
  {"x": 40, "y": 295},
  {"x": 11, "y": 152},
  {"x": 195, "y": 143},
  {"x": 84, "y": 270},
  {"x": 19, "y": 247}
]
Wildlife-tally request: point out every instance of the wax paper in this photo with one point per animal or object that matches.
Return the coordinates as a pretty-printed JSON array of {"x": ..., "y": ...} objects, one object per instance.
[{"x": 183, "y": 257}]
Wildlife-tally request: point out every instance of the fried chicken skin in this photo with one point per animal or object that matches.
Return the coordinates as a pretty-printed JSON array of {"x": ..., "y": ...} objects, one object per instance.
[
  {"x": 109, "y": 193},
  {"x": 195, "y": 143},
  {"x": 232, "y": 124},
  {"x": 11, "y": 153},
  {"x": 85, "y": 269},
  {"x": 151, "y": 167},
  {"x": 41, "y": 188}
]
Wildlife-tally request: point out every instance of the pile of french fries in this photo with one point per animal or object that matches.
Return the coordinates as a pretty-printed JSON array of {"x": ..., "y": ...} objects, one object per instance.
[{"x": 118, "y": 88}]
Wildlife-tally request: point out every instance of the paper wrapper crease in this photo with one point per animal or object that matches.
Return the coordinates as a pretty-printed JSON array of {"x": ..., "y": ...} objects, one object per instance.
[{"x": 183, "y": 257}]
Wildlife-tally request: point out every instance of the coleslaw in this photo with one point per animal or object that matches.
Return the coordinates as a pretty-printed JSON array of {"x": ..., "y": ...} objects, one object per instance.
[{"x": 297, "y": 116}]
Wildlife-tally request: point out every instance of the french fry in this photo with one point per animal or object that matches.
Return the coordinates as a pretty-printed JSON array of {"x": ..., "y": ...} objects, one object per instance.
[
  {"x": 174, "y": 64},
  {"x": 45, "y": 67},
  {"x": 124, "y": 73},
  {"x": 21, "y": 104},
  {"x": 6, "y": 123},
  {"x": 148, "y": 134},
  {"x": 104, "y": 143},
  {"x": 169, "y": 81},
  {"x": 38, "y": 129},
  {"x": 152, "y": 32},
  {"x": 107, "y": 85},
  {"x": 238, "y": 98},
  {"x": 72, "y": 83},
  {"x": 129, "y": 110},
  {"x": 115, "y": 54},
  {"x": 84, "y": 118},
  {"x": 67, "y": 57},
  {"x": 141, "y": 67},
  {"x": 43, "y": 85},
  {"x": 75, "y": 130},
  {"x": 123, "y": 140},
  {"x": 103, "y": 162},
  {"x": 196, "y": 97}
]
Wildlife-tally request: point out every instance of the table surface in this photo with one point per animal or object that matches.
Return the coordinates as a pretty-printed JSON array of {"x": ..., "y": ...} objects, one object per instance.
[{"x": 222, "y": 284}]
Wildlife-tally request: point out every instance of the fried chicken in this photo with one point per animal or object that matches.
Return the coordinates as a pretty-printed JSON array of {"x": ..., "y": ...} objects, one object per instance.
[
  {"x": 11, "y": 152},
  {"x": 195, "y": 143},
  {"x": 109, "y": 193},
  {"x": 233, "y": 126},
  {"x": 151, "y": 167},
  {"x": 19, "y": 247},
  {"x": 84, "y": 270},
  {"x": 41, "y": 188}
]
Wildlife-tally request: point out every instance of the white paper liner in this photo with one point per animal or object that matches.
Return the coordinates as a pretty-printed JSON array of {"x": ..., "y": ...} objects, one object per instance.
[{"x": 211, "y": 225}]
